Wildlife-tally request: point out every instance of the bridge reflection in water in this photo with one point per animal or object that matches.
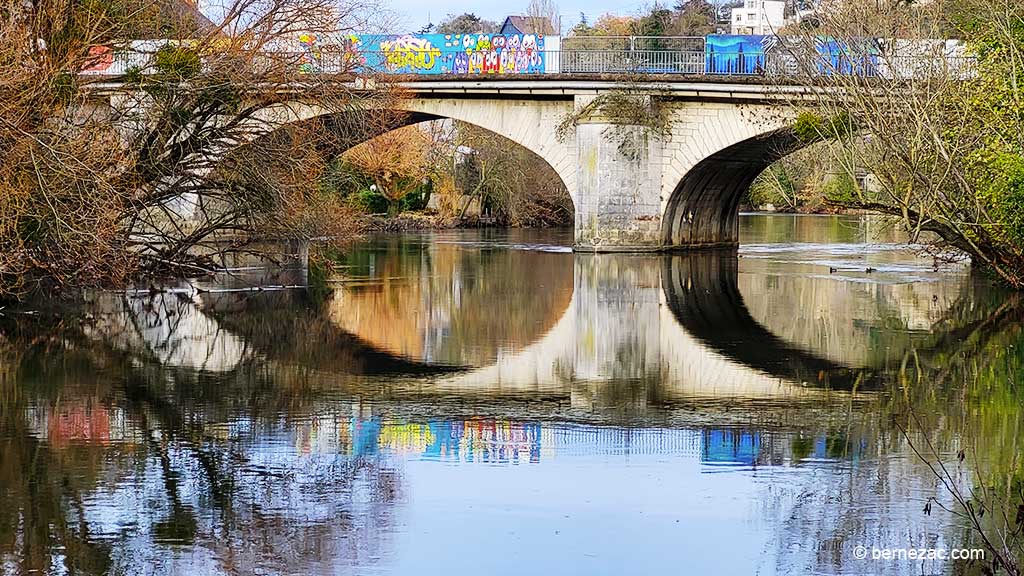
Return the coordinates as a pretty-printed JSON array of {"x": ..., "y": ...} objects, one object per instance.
[
  {"x": 267, "y": 432},
  {"x": 567, "y": 332},
  {"x": 677, "y": 323}
]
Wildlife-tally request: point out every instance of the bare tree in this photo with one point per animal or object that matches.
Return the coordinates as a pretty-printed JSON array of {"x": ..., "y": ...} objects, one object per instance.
[
  {"x": 939, "y": 125},
  {"x": 543, "y": 17},
  {"x": 399, "y": 162},
  {"x": 936, "y": 123},
  {"x": 93, "y": 193},
  {"x": 520, "y": 188}
]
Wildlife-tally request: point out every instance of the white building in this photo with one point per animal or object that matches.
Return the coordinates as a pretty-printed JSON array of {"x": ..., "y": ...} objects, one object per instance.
[{"x": 758, "y": 17}]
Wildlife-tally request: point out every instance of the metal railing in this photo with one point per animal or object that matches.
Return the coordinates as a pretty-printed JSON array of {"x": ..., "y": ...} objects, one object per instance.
[
  {"x": 121, "y": 62},
  {"x": 629, "y": 62},
  {"x": 776, "y": 65},
  {"x": 672, "y": 43}
]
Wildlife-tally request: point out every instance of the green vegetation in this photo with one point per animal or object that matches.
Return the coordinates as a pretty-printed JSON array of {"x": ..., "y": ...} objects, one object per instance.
[
  {"x": 967, "y": 395},
  {"x": 684, "y": 18},
  {"x": 449, "y": 168},
  {"x": 774, "y": 186},
  {"x": 997, "y": 167},
  {"x": 466, "y": 23},
  {"x": 946, "y": 150},
  {"x": 357, "y": 190},
  {"x": 623, "y": 108},
  {"x": 177, "y": 63},
  {"x": 810, "y": 127},
  {"x": 841, "y": 188},
  {"x": 803, "y": 182}
]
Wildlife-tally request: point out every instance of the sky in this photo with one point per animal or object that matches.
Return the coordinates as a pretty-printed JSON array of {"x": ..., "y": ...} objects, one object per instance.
[
  {"x": 416, "y": 13},
  {"x": 412, "y": 15}
]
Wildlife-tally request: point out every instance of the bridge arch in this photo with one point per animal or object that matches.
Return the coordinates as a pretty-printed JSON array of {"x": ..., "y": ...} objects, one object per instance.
[
  {"x": 703, "y": 209},
  {"x": 515, "y": 121},
  {"x": 714, "y": 153},
  {"x": 703, "y": 296}
]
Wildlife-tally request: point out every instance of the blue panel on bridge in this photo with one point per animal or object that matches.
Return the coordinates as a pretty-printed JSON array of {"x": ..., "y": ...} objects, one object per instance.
[
  {"x": 452, "y": 53},
  {"x": 860, "y": 58},
  {"x": 733, "y": 54}
]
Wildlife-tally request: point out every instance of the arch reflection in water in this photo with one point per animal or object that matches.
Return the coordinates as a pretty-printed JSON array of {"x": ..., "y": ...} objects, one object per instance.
[
  {"x": 486, "y": 321},
  {"x": 677, "y": 322},
  {"x": 452, "y": 299}
]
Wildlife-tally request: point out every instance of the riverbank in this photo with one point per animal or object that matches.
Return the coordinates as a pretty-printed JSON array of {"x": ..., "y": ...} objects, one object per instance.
[
  {"x": 412, "y": 221},
  {"x": 818, "y": 209},
  {"x": 426, "y": 220}
]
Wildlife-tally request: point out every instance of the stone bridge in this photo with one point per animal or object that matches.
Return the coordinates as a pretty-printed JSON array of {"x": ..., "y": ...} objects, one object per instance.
[
  {"x": 652, "y": 333},
  {"x": 634, "y": 188}
]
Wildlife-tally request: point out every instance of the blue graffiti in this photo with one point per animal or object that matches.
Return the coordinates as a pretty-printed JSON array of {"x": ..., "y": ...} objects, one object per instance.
[{"x": 735, "y": 54}]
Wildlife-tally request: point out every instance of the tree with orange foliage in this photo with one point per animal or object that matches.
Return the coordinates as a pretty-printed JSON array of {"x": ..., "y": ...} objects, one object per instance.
[
  {"x": 614, "y": 25},
  {"x": 398, "y": 162}
]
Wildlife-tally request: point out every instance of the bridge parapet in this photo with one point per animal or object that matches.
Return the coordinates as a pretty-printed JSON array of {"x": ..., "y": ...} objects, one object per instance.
[{"x": 486, "y": 55}]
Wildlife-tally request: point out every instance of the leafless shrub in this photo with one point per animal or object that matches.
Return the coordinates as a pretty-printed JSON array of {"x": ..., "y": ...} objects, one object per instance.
[{"x": 519, "y": 187}]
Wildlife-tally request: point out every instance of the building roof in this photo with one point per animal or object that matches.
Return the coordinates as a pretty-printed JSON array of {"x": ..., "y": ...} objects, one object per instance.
[
  {"x": 174, "y": 19},
  {"x": 529, "y": 25}
]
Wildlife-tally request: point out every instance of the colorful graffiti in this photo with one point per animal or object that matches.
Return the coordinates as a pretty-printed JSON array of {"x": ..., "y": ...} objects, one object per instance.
[
  {"x": 80, "y": 421},
  {"x": 453, "y": 53},
  {"x": 467, "y": 441},
  {"x": 100, "y": 59},
  {"x": 310, "y": 61},
  {"x": 410, "y": 52}
]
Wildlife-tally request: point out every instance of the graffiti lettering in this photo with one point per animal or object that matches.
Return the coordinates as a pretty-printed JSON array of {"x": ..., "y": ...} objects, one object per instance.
[
  {"x": 100, "y": 58},
  {"x": 454, "y": 53},
  {"x": 410, "y": 52}
]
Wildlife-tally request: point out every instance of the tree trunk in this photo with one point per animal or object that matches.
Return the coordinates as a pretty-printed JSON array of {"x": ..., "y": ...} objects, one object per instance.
[{"x": 394, "y": 207}]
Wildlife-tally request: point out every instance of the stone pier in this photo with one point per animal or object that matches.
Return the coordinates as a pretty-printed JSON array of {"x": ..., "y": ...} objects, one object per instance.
[{"x": 618, "y": 185}]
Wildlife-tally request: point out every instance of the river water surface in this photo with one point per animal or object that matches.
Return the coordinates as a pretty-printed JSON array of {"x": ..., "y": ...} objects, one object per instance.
[{"x": 488, "y": 402}]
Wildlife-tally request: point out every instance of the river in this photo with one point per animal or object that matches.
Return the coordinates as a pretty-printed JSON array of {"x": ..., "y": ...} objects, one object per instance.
[{"x": 488, "y": 402}]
